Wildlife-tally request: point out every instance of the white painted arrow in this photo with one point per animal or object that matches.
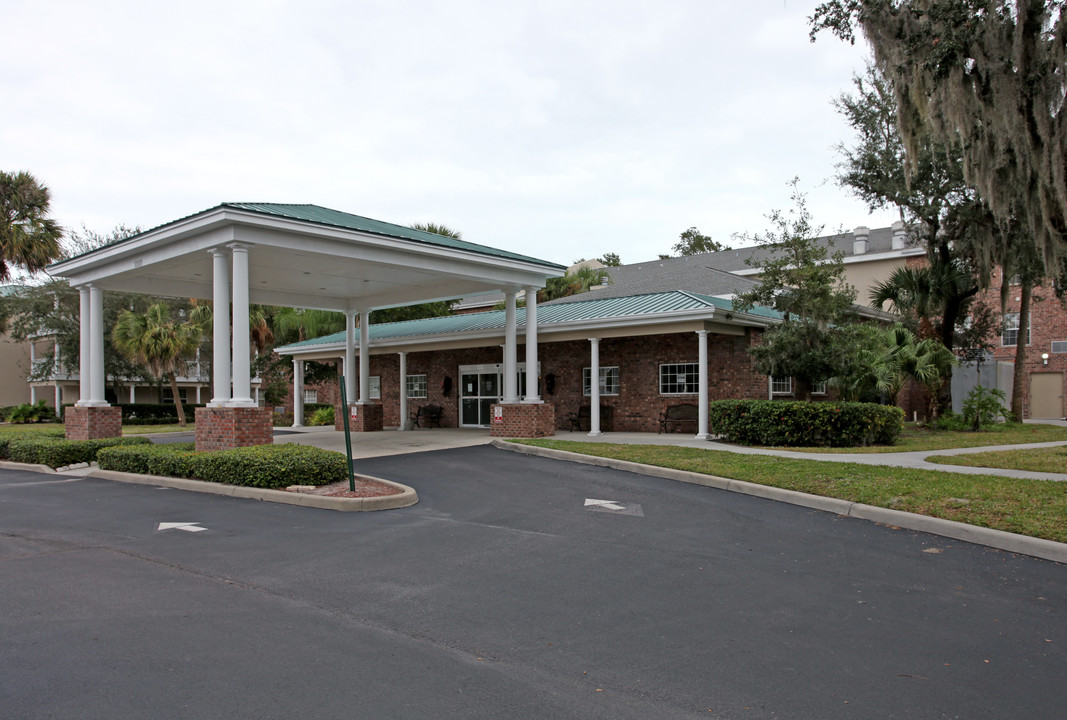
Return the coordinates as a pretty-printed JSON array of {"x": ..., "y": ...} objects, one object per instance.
[
  {"x": 609, "y": 504},
  {"x": 187, "y": 527}
]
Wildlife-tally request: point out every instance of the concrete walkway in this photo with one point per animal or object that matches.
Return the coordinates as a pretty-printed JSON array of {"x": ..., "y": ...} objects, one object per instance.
[{"x": 394, "y": 442}]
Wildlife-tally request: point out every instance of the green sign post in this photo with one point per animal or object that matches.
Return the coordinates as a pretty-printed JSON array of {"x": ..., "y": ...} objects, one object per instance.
[{"x": 348, "y": 438}]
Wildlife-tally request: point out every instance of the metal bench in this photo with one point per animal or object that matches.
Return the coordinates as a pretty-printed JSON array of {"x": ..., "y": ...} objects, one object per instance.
[
  {"x": 681, "y": 416},
  {"x": 580, "y": 420},
  {"x": 429, "y": 414}
]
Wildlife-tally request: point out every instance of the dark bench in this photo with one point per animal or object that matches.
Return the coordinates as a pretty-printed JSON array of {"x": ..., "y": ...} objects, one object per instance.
[
  {"x": 428, "y": 414},
  {"x": 681, "y": 416},
  {"x": 580, "y": 420}
]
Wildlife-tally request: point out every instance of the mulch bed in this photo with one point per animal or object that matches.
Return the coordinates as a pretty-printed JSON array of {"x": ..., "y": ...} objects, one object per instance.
[{"x": 363, "y": 489}]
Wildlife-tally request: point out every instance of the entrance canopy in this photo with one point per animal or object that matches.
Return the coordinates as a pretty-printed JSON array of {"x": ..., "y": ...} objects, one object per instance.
[{"x": 305, "y": 256}]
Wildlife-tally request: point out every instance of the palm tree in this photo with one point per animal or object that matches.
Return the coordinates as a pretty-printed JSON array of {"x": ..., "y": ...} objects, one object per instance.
[
  {"x": 28, "y": 237},
  {"x": 160, "y": 343},
  {"x": 437, "y": 230}
]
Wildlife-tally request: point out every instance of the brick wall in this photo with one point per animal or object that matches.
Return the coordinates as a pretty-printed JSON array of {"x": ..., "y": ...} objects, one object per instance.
[
  {"x": 90, "y": 423},
  {"x": 516, "y": 420},
  {"x": 222, "y": 428},
  {"x": 636, "y": 408}
]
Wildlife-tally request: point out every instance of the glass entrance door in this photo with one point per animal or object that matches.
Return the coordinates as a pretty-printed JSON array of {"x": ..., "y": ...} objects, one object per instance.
[{"x": 477, "y": 392}]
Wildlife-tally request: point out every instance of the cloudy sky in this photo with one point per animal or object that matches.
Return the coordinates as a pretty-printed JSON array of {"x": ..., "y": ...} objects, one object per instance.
[{"x": 561, "y": 129}]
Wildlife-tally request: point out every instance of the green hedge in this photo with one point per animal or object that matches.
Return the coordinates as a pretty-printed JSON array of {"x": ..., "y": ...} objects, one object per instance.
[
  {"x": 805, "y": 424},
  {"x": 57, "y": 451},
  {"x": 266, "y": 466}
]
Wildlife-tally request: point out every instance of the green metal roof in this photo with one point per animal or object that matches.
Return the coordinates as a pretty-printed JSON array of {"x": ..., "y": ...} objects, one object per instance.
[
  {"x": 335, "y": 218},
  {"x": 547, "y": 314}
]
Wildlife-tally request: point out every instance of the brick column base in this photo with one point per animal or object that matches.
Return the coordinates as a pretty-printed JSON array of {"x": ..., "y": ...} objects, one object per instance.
[
  {"x": 90, "y": 423},
  {"x": 523, "y": 420},
  {"x": 222, "y": 428},
  {"x": 368, "y": 418}
]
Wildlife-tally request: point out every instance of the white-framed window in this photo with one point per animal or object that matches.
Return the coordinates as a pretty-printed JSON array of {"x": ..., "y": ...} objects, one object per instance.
[
  {"x": 375, "y": 387},
  {"x": 818, "y": 388},
  {"x": 609, "y": 381},
  {"x": 1010, "y": 334},
  {"x": 679, "y": 379},
  {"x": 781, "y": 385},
  {"x": 416, "y": 386},
  {"x": 311, "y": 396},
  {"x": 1059, "y": 346}
]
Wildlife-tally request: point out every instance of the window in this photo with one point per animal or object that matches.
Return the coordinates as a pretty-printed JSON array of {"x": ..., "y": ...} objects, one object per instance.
[
  {"x": 311, "y": 396},
  {"x": 167, "y": 395},
  {"x": 609, "y": 381},
  {"x": 818, "y": 388},
  {"x": 416, "y": 386},
  {"x": 375, "y": 387},
  {"x": 781, "y": 386},
  {"x": 1010, "y": 334},
  {"x": 1059, "y": 346},
  {"x": 680, "y": 379}
]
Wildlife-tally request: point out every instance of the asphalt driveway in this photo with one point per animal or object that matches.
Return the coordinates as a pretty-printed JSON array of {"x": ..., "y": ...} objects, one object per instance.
[{"x": 517, "y": 587}]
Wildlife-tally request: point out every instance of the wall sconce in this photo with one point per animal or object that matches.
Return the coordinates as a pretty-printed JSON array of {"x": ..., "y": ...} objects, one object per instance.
[{"x": 1044, "y": 358}]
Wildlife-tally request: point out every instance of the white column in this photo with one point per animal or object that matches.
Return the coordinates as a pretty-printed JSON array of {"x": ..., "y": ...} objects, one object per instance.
[
  {"x": 511, "y": 350},
  {"x": 220, "y": 322},
  {"x": 350, "y": 356},
  {"x": 198, "y": 394},
  {"x": 133, "y": 393},
  {"x": 594, "y": 386},
  {"x": 702, "y": 403},
  {"x": 403, "y": 389},
  {"x": 242, "y": 350},
  {"x": 83, "y": 346},
  {"x": 531, "y": 346},
  {"x": 59, "y": 397},
  {"x": 298, "y": 393},
  {"x": 33, "y": 395},
  {"x": 96, "y": 346},
  {"x": 364, "y": 357},
  {"x": 33, "y": 354}
]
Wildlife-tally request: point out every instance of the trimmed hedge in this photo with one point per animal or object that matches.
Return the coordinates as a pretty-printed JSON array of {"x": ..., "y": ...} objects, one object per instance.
[
  {"x": 58, "y": 451},
  {"x": 265, "y": 466},
  {"x": 805, "y": 424},
  {"x": 161, "y": 413}
]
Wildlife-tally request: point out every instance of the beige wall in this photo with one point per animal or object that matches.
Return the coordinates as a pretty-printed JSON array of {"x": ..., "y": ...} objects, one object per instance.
[
  {"x": 14, "y": 369},
  {"x": 865, "y": 275}
]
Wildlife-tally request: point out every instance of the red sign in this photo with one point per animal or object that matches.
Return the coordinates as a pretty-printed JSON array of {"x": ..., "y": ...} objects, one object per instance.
[{"x": 354, "y": 413}]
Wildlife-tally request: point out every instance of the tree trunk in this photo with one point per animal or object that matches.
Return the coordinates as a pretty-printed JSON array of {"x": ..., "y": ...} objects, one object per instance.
[
  {"x": 177, "y": 399},
  {"x": 1018, "y": 383}
]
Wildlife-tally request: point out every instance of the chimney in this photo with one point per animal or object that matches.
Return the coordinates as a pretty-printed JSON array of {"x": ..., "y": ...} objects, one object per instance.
[
  {"x": 900, "y": 235},
  {"x": 859, "y": 245}
]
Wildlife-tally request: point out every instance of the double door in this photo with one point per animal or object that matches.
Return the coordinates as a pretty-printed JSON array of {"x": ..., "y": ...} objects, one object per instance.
[{"x": 480, "y": 387}]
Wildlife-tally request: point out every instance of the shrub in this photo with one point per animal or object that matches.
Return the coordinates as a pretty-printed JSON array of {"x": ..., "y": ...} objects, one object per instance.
[
  {"x": 30, "y": 412},
  {"x": 804, "y": 424},
  {"x": 983, "y": 406},
  {"x": 57, "y": 451},
  {"x": 283, "y": 419},
  {"x": 266, "y": 466},
  {"x": 322, "y": 416},
  {"x": 163, "y": 412}
]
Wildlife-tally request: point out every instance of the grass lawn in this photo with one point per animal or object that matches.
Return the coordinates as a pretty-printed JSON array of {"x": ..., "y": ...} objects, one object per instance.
[
  {"x": 126, "y": 429},
  {"x": 915, "y": 438},
  {"x": 1028, "y": 507},
  {"x": 1053, "y": 460}
]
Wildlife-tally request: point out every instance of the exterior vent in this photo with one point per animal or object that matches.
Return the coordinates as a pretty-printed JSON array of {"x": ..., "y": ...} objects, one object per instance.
[
  {"x": 900, "y": 235},
  {"x": 859, "y": 245}
]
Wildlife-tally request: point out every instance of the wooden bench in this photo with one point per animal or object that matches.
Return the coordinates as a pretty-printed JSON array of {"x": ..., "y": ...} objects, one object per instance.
[
  {"x": 681, "y": 416},
  {"x": 429, "y": 414},
  {"x": 580, "y": 420}
]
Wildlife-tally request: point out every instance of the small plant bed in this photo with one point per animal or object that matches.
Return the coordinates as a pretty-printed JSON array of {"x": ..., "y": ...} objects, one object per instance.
[
  {"x": 1037, "y": 508},
  {"x": 915, "y": 438},
  {"x": 264, "y": 466},
  {"x": 1050, "y": 460},
  {"x": 364, "y": 489}
]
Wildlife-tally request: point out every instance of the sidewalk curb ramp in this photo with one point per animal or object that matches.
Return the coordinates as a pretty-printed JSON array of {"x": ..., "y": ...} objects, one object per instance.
[{"x": 999, "y": 539}]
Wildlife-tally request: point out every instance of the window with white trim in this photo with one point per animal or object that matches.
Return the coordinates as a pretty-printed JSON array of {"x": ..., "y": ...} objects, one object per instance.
[
  {"x": 609, "y": 381},
  {"x": 311, "y": 396},
  {"x": 375, "y": 387},
  {"x": 1059, "y": 346},
  {"x": 781, "y": 385},
  {"x": 1009, "y": 336},
  {"x": 416, "y": 386},
  {"x": 679, "y": 379},
  {"x": 818, "y": 388}
]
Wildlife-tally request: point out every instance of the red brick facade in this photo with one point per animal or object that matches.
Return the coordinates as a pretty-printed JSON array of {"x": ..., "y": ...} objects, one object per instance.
[
  {"x": 361, "y": 418},
  {"x": 523, "y": 420},
  {"x": 90, "y": 423},
  {"x": 637, "y": 406},
  {"x": 222, "y": 428}
]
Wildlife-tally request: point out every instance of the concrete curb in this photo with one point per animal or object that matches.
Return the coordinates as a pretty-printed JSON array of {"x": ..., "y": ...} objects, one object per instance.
[
  {"x": 999, "y": 539},
  {"x": 406, "y": 498},
  {"x": 8, "y": 465}
]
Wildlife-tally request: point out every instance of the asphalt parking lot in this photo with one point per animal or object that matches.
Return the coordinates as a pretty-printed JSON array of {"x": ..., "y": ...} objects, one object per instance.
[{"x": 517, "y": 587}]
